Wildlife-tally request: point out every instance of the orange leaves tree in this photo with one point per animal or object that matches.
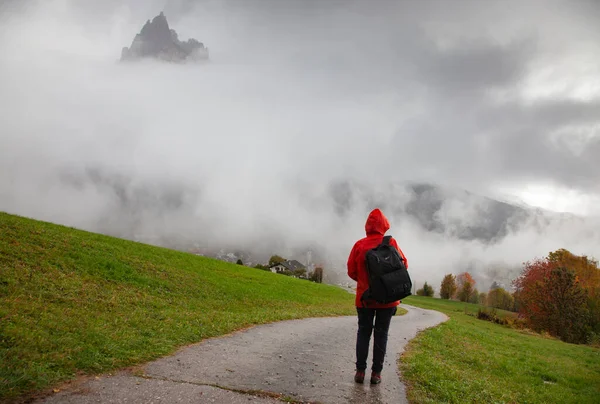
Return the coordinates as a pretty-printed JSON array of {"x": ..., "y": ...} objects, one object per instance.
[
  {"x": 587, "y": 276},
  {"x": 464, "y": 277},
  {"x": 466, "y": 286},
  {"x": 551, "y": 298},
  {"x": 586, "y": 269}
]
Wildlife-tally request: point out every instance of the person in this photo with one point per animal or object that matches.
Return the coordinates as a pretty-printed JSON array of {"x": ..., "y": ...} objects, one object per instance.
[{"x": 371, "y": 315}]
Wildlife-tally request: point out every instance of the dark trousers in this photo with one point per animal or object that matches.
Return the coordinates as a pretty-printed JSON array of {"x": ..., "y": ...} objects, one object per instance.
[{"x": 382, "y": 318}]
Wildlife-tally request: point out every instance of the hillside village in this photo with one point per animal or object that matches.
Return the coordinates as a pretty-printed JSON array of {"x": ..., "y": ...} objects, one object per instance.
[{"x": 276, "y": 264}]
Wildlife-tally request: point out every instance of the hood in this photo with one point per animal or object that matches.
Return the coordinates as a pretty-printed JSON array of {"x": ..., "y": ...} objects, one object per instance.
[{"x": 376, "y": 223}]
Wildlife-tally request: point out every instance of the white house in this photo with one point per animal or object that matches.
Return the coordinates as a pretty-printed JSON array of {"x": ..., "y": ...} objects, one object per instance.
[{"x": 289, "y": 265}]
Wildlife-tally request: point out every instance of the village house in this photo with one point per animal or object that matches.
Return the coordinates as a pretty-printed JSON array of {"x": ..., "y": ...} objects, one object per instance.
[{"x": 289, "y": 265}]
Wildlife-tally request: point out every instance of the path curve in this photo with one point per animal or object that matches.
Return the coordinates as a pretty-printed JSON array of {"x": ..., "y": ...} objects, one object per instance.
[{"x": 309, "y": 360}]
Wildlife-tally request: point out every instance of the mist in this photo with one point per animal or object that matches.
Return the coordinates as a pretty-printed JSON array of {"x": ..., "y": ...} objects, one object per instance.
[{"x": 308, "y": 115}]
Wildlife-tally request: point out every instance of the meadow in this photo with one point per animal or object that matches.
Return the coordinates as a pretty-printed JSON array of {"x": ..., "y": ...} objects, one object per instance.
[{"x": 467, "y": 360}]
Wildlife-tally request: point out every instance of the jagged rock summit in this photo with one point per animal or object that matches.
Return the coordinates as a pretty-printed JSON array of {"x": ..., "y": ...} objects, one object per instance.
[{"x": 157, "y": 40}]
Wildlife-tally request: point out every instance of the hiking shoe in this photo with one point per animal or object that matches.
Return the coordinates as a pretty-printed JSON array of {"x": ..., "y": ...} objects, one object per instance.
[
  {"x": 359, "y": 377},
  {"x": 375, "y": 378}
]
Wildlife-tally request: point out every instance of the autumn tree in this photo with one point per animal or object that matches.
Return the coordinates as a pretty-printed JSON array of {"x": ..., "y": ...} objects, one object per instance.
[
  {"x": 474, "y": 297},
  {"x": 465, "y": 292},
  {"x": 275, "y": 259},
  {"x": 588, "y": 276},
  {"x": 551, "y": 298},
  {"x": 482, "y": 298},
  {"x": 465, "y": 286},
  {"x": 586, "y": 269},
  {"x": 317, "y": 275},
  {"x": 527, "y": 290},
  {"x": 461, "y": 279},
  {"x": 427, "y": 291},
  {"x": 448, "y": 287},
  {"x": 500, "y": 299}
]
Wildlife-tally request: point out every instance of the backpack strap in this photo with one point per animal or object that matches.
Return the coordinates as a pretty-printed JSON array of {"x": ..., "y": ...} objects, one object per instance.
[{"x": 386, "y": 240}]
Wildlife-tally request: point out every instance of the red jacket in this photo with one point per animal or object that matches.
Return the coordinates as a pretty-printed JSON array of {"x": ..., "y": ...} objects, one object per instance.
[{"x": 375, "y": 227}]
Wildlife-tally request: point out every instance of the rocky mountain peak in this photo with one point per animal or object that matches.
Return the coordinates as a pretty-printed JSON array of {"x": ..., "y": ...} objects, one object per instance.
[{"x": 157, "y": 40}]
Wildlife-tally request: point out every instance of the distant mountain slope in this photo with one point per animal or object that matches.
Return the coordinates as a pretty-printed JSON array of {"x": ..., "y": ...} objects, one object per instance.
[{"x": 456, "y": 213}]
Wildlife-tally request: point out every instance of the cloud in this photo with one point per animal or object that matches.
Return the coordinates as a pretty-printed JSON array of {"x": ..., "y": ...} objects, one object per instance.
[{"x": 307, "y": 116}]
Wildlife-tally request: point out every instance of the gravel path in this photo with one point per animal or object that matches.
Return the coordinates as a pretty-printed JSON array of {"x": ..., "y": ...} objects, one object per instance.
[{"x": 310, "y": 360}]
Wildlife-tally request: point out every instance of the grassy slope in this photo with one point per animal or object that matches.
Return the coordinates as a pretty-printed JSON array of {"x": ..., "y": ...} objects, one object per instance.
[
  {"x": 73, "y": 301},
  {"x": 467, "y": 360}
]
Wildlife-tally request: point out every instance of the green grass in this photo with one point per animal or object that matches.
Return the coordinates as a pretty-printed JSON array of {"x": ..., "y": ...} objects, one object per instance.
[
  {"x": 466, "y": 360},
  {"x": 76, "y": 302},
  {"x": 452, "y": 306}
]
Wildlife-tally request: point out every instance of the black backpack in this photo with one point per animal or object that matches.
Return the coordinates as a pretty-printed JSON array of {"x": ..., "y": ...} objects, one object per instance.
[{"x": 388, "y": 278}]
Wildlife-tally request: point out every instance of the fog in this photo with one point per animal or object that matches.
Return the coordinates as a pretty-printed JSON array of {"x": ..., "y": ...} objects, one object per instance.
[{"x": 244, "y": 153}]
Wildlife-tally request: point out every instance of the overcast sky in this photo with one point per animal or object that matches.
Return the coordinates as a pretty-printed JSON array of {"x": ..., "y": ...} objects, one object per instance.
[{"x": 500, "y": 98}]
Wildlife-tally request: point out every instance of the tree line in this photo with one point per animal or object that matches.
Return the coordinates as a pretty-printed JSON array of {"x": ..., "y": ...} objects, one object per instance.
[{"x": 558, "y": 294}]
